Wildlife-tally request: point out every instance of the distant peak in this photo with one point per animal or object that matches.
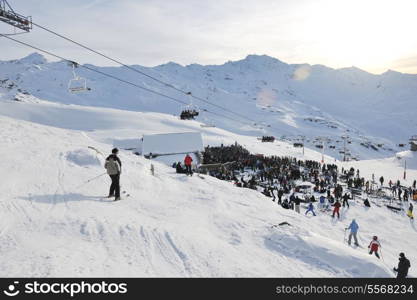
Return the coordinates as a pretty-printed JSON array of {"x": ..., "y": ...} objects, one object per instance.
[
  {"x": 171, "y": 65},
  {"x": 391, "y": 72},
  {"x": 261, "y": 58},
  {"x": 254, "y": 61},
  {"x": 34, "y": 58},
  {"x": 353, "y": 69}
]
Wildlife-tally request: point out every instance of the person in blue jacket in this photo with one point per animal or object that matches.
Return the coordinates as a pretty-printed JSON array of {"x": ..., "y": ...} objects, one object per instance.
[
  {"x": 310, "y": 208},
  {"x": 354, "y": 227},
  {"x": 322, "y": 202}
]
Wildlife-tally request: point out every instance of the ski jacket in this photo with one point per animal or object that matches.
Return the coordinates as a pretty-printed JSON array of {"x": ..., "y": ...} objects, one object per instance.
[
  {"x": 337, "y": 205},
  {"x": 353, "y": 227},
  {"x": 297, "y": 200},
  {"x": 112, "y": 165},
  {"x": 374, "y": 245},
  {"x": 403, "y": 266},
  {"x": 114, "y": 156},
  {"x": 188, "y": 160}
]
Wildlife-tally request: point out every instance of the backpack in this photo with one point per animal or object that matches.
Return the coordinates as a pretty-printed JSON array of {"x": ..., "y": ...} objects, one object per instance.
[{"x": 112, "y": 167}]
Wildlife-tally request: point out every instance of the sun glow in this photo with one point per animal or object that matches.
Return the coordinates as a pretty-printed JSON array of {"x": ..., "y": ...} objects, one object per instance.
[{"x": 367, "y": 33}]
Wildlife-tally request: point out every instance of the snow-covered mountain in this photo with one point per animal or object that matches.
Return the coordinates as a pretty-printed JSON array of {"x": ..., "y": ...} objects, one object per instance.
[
  {"x": 55, "y": 222},
  {"x": 287, "y": 101}
]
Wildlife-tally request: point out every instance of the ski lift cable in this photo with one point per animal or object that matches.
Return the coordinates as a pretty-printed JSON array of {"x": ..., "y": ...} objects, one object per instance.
[
  {"x": 142, "y": 73},
  {"x": 93, "y": 70},
  {"x": 116, "y": 78},
  {"x": 5, "y": 3}
]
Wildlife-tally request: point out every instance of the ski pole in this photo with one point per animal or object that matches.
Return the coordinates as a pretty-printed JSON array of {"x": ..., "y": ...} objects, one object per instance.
[{"x": 94, "y": 178}]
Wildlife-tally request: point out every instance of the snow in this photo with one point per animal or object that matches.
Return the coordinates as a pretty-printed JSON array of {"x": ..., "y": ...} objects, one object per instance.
[
  {"x": 82, "y": 157},
  {"x": 54, "y": 221}
]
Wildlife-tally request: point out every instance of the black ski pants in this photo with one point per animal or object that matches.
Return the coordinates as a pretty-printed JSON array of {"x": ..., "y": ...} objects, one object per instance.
[
  {"x": 115, "y": 185},
  {"x": 188, "y": 170},
  {"x": 376, "y": 253}
]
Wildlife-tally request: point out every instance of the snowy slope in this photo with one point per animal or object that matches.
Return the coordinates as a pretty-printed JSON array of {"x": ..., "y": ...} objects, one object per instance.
[
  {"x": 294, "y": 100},
  {"x": 53, "y": 224}
]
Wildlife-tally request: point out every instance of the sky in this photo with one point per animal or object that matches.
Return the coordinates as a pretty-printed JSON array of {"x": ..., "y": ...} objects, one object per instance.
[{"x": 374, "y": 35}]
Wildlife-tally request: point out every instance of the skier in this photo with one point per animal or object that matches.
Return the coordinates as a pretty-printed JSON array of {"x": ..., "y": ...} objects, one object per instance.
[
  {"x": 410, "y": 211},
  {"x": 366, "y": 203},
  {"x": 152, "y": 167},
  {"x": 403, "y": 266},
  {"x": 280, "y": 194},
  {"x": 353, "y": 231},
  {"x": 374, "y": 245},
  {"x": 310, "y": 208},
  {"x": 187, "y": 162},
  {"x": 321, "y": 204},
  {"x": 405, "y": 196},
  {"x": 345, "y": 200},
  {"x": 336, "y": 209},
  {"x": 297, "y": 201},
  {"x": 285, "y": 204},
  {"x": 394, "y": 191},
  {"x": 381, "y": 180},
  {"x": 113, "y": 166}
]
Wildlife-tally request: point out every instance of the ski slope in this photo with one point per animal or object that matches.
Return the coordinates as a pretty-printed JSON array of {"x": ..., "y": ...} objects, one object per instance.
[{"x": 55, "y": 223}]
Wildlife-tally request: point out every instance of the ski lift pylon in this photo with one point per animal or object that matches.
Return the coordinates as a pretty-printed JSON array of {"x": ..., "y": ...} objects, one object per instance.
[
  {"x": 77, "y": 84},
  {"x": 9, "y": 16}
]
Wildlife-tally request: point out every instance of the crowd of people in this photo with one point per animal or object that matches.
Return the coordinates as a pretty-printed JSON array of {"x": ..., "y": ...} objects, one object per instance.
[{"x": 276, "y": 177}]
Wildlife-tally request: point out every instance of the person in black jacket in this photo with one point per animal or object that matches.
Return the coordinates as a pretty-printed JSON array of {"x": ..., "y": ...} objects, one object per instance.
[
  {"x": 345, "y": 200},
  {"x": 113, "y": 166},
  {"x": 280, "y": 194},
  {"x": 403, "y": 266},
  {"x": 297, "y": 202}
]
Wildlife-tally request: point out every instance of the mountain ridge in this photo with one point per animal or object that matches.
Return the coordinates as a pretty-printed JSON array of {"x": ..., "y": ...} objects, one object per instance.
[{"x": 285, "y": 100}]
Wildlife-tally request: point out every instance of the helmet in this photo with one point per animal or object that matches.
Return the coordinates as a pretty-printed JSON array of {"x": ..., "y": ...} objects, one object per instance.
[
  {"x": 402, "y": 254},
  {"x": 115, "y": 151},
  {"x": 375, "y": 237}
]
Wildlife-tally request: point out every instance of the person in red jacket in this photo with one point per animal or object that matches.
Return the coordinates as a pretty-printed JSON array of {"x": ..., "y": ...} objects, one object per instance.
[
  {"x": 374, "y": 245},
  {"x": 336, "y": 209},
  {"x": 187, "y": 162}
]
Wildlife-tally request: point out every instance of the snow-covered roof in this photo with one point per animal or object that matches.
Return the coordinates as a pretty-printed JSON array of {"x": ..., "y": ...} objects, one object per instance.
[
  {"x": 172, "y": 143},
  {"x": 305, "y": 183}
]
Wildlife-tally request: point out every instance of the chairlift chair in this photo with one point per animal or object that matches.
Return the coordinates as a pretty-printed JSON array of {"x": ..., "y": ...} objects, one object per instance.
[
  {"x": 77, "y": 84},
  {"x": 190, "y": 111}
]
